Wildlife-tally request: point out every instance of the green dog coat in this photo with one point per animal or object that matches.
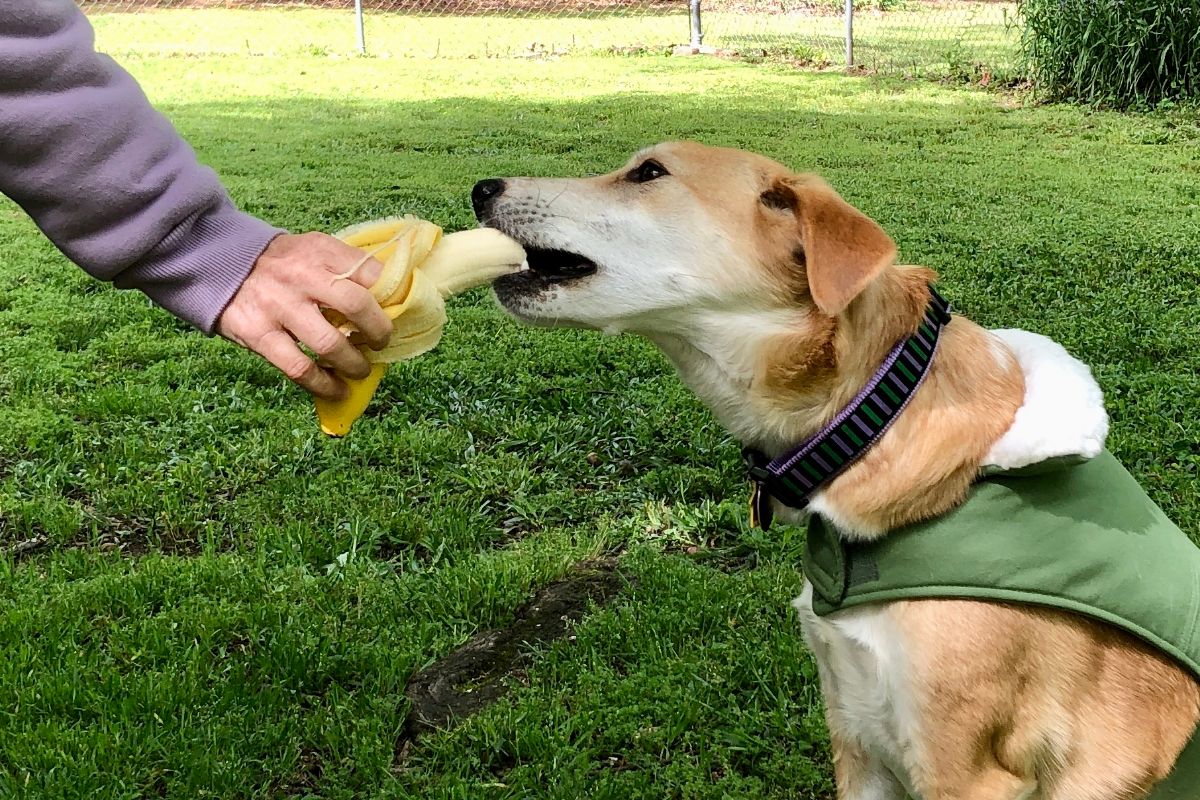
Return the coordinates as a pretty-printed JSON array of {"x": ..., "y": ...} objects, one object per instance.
[{"x": 1047, "y": 530}]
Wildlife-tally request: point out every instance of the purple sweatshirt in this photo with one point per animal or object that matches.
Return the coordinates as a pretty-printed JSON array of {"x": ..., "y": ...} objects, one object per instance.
[{"x": 106, "y": 177}]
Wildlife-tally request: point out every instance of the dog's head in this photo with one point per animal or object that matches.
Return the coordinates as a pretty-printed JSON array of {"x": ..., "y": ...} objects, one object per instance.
[{"x": 680, "y": 231}]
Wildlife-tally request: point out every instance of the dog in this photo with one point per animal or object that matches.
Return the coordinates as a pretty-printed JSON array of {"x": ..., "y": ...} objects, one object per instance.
[{"x": 777, "y": 301}]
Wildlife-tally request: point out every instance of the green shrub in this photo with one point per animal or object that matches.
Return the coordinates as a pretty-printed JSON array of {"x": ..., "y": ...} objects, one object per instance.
[{"x": 1114, "y": 52}]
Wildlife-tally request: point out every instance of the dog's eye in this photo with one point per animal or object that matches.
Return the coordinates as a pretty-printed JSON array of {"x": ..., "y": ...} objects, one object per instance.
[{"x": 647, "y": 171}]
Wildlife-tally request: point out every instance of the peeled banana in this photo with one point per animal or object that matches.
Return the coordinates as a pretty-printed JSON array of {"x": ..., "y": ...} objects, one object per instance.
[{"x": 421, "y": 267}]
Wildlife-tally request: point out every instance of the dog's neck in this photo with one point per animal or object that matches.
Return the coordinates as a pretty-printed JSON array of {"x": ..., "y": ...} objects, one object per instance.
[
  {"x": 724, "y": 371},
  {"x": 775, "y": 379}
]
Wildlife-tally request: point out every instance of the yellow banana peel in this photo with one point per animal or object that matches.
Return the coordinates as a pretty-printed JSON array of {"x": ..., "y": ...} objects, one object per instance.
[
  {"x": 336, "y": 416},
  {"x": 421, "y": 267}
]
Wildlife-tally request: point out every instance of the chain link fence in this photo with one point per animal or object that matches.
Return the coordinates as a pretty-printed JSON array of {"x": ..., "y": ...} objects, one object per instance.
[
  {"x": 939, "y": 37},
  {"x": 922, "y": 37}
]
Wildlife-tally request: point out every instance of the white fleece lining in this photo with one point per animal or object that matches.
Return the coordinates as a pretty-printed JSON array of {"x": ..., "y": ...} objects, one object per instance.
[{"x": 1063, "y": 414}]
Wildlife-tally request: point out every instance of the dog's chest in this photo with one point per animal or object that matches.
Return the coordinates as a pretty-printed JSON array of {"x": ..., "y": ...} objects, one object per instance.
[{"x": 866, "y": 682}]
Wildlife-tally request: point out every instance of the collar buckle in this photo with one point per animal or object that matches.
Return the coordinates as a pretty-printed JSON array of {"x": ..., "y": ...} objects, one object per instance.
[
  {"x": 761, "y": 510},
  {"x": 756, "y": 465},
  {"x": 940, "y": 306}
]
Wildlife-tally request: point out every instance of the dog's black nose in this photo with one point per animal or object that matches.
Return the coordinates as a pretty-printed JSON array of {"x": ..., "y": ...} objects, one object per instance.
[{"x": 484, "y": 194}]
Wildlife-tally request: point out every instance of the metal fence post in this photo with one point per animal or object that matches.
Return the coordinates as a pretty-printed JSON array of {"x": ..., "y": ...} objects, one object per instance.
[
  {"x": 358, "y": 20},
  {"x": 697, "y": 33},
  {"x": 849, "y": 34}
]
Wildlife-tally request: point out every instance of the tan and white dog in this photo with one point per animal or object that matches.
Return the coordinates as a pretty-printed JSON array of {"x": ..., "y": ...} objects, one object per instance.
[{"x": 777, "y": 301}]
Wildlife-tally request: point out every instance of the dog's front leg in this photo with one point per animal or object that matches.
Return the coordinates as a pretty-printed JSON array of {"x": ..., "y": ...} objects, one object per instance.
[
  {"x": 987, "y": 783},
  {"x": 861, "y": 776}
]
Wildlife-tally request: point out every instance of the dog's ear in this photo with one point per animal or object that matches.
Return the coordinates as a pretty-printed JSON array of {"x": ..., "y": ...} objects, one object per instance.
[{"x": 841, "y": 249}]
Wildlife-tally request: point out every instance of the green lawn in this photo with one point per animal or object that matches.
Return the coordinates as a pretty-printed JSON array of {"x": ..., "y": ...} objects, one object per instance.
[
  {"x": 919, "y": 36},
  {"x": 230, "y": 605}
]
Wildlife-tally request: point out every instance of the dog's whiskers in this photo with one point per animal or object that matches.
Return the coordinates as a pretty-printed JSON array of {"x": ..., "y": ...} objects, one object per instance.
[{"x": 560, "y": 194}]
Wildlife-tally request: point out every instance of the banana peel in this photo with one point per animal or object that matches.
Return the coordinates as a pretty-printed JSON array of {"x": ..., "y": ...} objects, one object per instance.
[
  {"x": 336, "y": 416},
  {"x": 422, "y": 266}
]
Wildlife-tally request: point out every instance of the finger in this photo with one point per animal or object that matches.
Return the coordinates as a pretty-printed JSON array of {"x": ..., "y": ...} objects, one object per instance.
[
  {"x": 359, "y": 306},
  {"x": 367, "y": 274},
  {"x": 279, "y": 348},
  {"x": 344, "y": 259},
  {"x": 331, "y": 345}
]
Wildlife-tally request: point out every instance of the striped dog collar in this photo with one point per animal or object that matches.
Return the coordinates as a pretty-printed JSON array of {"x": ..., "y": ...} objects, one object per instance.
[{"x": 797, "y": 474}]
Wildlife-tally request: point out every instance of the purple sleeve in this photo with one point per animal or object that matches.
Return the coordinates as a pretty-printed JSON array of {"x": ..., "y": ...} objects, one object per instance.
[{"x": 106, "y": 177}]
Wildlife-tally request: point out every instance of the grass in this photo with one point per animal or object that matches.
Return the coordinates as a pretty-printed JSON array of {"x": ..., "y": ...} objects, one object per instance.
[
  {"x": 229, "y": 605},
  {"x": 947, "y": 37}
]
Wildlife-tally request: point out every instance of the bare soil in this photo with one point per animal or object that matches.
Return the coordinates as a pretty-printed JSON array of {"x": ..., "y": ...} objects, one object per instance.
[{"x": 477, "y": 674}]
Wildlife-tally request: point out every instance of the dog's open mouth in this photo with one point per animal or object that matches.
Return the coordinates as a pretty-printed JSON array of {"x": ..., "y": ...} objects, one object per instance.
[
  {"x": 558, "y": 266},
  {"x": 548, "y": 269}
]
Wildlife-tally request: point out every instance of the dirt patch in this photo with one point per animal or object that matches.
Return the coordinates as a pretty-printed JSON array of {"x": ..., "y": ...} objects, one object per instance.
[
  {"x": 23, "y": 549},
  {"x": 125, "y": 536},
  {"x": 306, "y": 775},
  {"x": 475, "y": 675},
  {"x": 133, "y": 538}
]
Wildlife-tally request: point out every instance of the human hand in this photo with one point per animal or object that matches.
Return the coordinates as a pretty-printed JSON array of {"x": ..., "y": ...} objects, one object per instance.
[{"x": 278, "y": 307}]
